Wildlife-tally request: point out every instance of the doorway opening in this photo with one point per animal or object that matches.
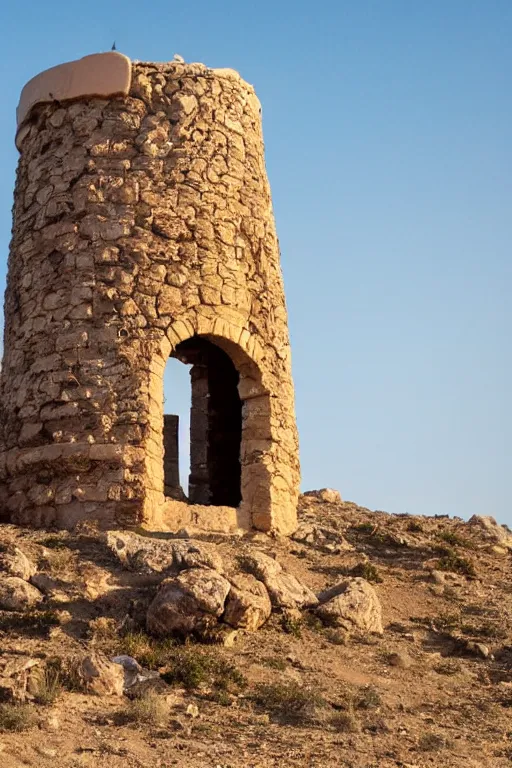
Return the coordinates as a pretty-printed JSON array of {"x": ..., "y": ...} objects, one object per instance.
[{"x": 215, "y": 428}]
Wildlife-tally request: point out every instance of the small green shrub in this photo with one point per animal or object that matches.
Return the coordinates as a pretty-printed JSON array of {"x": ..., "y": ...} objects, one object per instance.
[
  {"x": 368, "y": 698},
  {"x": 345, "y": 722},
  {"x": 454, "y": 540},
  {"x": 431, "y": 742},
  {"x": 192, "y": 667},
  {"x": 274, "y": 662},
  {"x": 336, "y": 636},
  {"x": 289, "y": 702},
  {"x": 367, "y": 571},
  {"x": 31, "y": 622},
  {"x": 291, "y": 625},
  {"x": 451, "y": 561},
  {"x": 148, "y": 651},
  {"x": 414, "y": 527},
  {"x": 449, "y": 667},
  {"x": 367, "y": 528}
]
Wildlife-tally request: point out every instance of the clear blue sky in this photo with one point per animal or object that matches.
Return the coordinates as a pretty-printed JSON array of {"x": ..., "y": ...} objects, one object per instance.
[{"x": 388, "y": 128}]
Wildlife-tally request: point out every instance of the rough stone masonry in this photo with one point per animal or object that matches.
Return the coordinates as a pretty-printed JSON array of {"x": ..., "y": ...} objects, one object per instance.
[{"x": 143, "y": 228}]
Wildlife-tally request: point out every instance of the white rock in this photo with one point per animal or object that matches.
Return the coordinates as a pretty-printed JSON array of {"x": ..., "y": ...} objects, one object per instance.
[
  {"x": 248, "y": 604},
  {"x": 17, "y": 595},
  {"x": 352, "y": 604},
  {"x": 327, "y": 495},
  {"x": 491, "y": 530},
  {"x": 101, "y": 676},
  {"x": 285, "y": 590},
  {"x": 15, "y": 562},
  {"x": 192, "y": 601},
  {"x": 161, "y": 557}
]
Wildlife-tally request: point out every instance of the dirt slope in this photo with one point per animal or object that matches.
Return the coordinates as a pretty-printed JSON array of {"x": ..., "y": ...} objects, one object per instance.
[{"x": 434, "y": 690}]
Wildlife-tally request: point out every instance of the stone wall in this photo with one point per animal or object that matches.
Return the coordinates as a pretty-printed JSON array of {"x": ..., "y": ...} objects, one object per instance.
[
  {"x": 172, "y": 486},
  {"x": 140, "y": 221}
]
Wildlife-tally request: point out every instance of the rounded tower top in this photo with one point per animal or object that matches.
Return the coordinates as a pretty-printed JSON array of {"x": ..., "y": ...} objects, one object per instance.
[{"x": 99, "y": 74}]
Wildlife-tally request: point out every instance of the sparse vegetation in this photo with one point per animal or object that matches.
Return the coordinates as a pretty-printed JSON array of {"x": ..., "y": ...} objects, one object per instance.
[
  {"x": 336, "y": 636},
  {"x": 302, "y": 671},
  {"x": 345, "y": 721},
  {"x": 447, "y": 667},
  {"x": 366, "y": 528},
  {"x": 31, "y": 622},
  {"x": 150, "y": 709},
  {"x": 274, "y": 662},
  {"x": 59, "y": 560},
  {"x": 431, "y": 742},
  {"x": 367, "y": 571},
  {"x": 289, "y": 702},
  {"x": 451, "y": 561},
  {"x": 191, "y": 667},
  {"x": 291, "y": 625},
  {"x": 46, "y": 684},
  {"x": 444, "y": 622},
  {"x": 454, "y": 539},
  {"x": 368, "y": 698},
  {"x": 149, "y": 651},
  {"x": 16, "y": 717}
]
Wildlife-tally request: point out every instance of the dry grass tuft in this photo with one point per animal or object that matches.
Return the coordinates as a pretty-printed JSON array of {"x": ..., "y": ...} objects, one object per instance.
[
  {"x": 16, "y": 717},
  {"x": 150, "y": 709}
]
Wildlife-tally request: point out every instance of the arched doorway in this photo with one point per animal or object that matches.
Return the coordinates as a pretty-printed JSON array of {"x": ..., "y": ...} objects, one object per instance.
[{"x": 215, "y": 428}]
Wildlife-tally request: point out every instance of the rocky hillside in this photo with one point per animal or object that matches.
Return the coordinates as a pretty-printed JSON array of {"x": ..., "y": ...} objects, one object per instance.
[{"x": 367, "y": 640}]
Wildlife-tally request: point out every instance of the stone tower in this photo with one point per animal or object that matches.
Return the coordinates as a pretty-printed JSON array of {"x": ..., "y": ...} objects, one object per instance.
[{"x": 143, "y": 229}]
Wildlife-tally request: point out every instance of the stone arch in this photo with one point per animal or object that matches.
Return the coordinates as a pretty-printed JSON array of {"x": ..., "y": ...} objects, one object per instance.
[{"x": 257, "y": 438}]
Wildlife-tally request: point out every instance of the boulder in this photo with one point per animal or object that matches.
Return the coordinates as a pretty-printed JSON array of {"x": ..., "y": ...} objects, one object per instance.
[
  {"x": 192, "y": 601},
  {"x": 285, "y": 590},
  {"x": 15, "y": 673},
  {"x": 17, "y": 595},
  {"x": 352, "y": 604},
  {"x": 102, "y": 676},
  {"x": 248, "y": 604},
  {"x": 322, "y": 538},
  {"x": 15, "y": 562},
  {"x": 49, "y": 587},
  {"x": 160, "y": 558},
  {"x": 399, "y": 659},
  {"x": 491, "y": 531},
  {"x": 326, "y": 495}
]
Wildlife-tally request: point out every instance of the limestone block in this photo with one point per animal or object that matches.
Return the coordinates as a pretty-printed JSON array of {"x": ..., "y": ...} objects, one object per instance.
[
  {"x": 101, "y": 676},
  {"x": 285, "y": 590},
  {"x": 248, "y": 603},
  {"x": 15, "y": 562},
  {"x": 352, "y": 604},
  {"x": 193, "y": 601},
  {"x": 17, "y": 595}
]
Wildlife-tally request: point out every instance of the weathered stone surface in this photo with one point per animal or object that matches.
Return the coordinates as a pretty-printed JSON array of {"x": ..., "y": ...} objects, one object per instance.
[
  {"x": 15, "y": 562},
  {"x": 491, "y": 531},
  {"x": 15, "y": 673},
  {"x": 192, "y": 601},
  {"x": 352, "y": 604},
  {"x": 248, "y": 603},
  {"x": 322, "y": 538},
  {"x": 328, "y": 495},
  {"x": 154, "y": 556},
  {"x": 102, "y": 676},
  {"x": 17, "y": 595},
  {"x": 140, "y": 222},
  {"x": 285, "y": 590}
]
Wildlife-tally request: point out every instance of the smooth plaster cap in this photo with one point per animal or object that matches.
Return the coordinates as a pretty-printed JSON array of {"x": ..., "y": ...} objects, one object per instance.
[{"x": 100, "y": 74}]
